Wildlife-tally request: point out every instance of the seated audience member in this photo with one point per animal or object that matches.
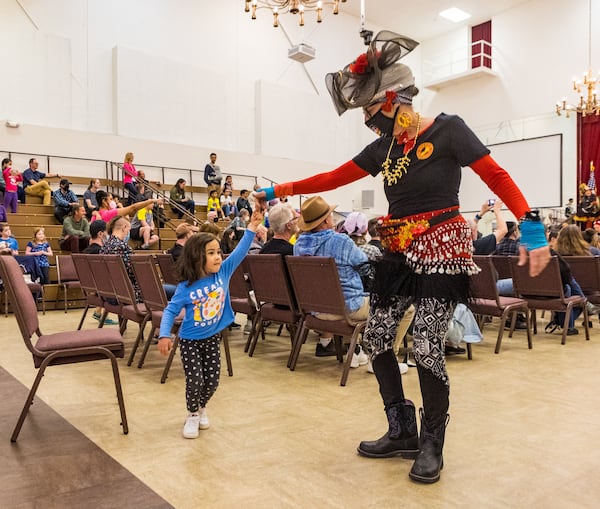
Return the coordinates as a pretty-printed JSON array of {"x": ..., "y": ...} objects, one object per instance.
[
  {"x": 76, "y": 231},
  {"x": 570, "y": 243},
  {"x": 182, "y": 233},
  {"x": 374, "y": 233},
  {"x": 486, "y": 244},
  {"x": 228, "y": 241},
  {"x": 118, "y": 231},
  {"x": 8, "y": 244},
  {"x": 592, "y": 237},
  {"x": 142, "y": 227},
  {"x": 3, "y": 216},
  {"x": 227, "y": 205},
  {"x": 211, "y": 228},
  {"x": 108, "y": 207},
  {"x": 283, "y": 221},
  {"x": 64, "y": 200},
  {"x": 319, "y": 239},
  {"x": 214, "y": 204},
  {"x": 260, "y": 238},
  {"x": 356, "y": 225},
  {"x": 34, "y": 182},
  {"x": 89, "y": 198},
  {"x": 509, "y": 245},
  {"x": 243, "y": 201},
  {"x": 10, "y": 178},
  {"x": 239, "y": 224},
  {"x": 40, "y": 248},
  {"x": 228, "y": 184},
  {"x": 97, "y": 237},
  {"x": 179, "y": 197},
  {"x": 212, "y": 217}
]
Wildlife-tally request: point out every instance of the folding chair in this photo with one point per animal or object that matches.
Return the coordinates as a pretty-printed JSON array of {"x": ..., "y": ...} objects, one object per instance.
[
  {"x": 61, "y": 347},
  {"x": 67, "y": 276},
  {"x": 317, "y": 288},
  {"x": 485, "y": 301},
  {"x": 273, "y": 293},
  {"x": 546, "y": 291}
]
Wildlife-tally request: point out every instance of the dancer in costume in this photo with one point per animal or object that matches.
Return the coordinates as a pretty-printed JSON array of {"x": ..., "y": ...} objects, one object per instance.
[{"x": 428, "y": 248}]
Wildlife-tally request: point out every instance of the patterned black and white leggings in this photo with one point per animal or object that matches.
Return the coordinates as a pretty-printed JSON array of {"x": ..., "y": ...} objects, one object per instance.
[
  {"x": 429, "y": 331},
  {"x": 202, "y": 367}
]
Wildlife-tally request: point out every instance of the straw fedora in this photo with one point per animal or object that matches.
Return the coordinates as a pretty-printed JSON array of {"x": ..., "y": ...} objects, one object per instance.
[{"x": 313, "y": 212}]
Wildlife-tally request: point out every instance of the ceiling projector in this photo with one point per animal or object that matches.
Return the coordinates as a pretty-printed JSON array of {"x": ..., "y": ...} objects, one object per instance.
[{"x": 301, "y": 53}]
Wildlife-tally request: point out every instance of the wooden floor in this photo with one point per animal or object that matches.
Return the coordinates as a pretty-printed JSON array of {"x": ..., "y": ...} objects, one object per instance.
[{"x": 524, "y": 430}]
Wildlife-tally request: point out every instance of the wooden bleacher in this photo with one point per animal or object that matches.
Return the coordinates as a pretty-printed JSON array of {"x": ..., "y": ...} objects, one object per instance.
[{"x": 34, "y": 214}]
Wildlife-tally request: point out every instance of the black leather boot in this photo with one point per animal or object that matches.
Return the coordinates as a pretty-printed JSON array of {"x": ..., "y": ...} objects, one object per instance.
[
  {"x": 401, "y": 437},
  {"x": 429, "y": 462}
]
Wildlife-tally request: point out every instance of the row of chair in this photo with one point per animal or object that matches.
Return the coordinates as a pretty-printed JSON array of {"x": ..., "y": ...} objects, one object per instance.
[
  {"x": 292, "y": 292},
  {"x": 543, "y": 292}
]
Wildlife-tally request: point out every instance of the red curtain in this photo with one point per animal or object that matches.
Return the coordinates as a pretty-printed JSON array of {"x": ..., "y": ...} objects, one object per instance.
[
  {"x": 588, "y": 148},
  {"x": 481, "y": 53}
]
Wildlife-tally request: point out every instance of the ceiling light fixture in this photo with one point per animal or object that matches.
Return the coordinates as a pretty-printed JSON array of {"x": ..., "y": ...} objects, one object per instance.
[
  {"x": 586, "y": 87},
  {"x": 455, "y": 14},
  {"x": 278, "y": 7}
]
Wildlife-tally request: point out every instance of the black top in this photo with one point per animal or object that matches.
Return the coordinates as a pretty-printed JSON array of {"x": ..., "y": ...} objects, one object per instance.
[
  {"x": 176, "y": 251},
  {"x": 277, "y": 246},
  {"x": 432, "y": 179},
  {"x": 485, "y": 245},
  {"x": 92, "y": 249}
]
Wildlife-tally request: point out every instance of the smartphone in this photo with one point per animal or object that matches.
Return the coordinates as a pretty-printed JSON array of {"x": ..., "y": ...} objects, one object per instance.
[{"x": 491, "y": 202}]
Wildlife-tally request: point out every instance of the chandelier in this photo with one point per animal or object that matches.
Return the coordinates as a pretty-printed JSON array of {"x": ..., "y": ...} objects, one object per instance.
[
  {"x": 278, "y": 7},
  {"x": 586, "y": 87}
]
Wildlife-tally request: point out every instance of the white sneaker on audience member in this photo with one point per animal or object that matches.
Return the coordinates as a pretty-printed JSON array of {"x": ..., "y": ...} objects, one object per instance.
[
  {"x": 403, "y": 368},
  {"x": 191, "y": 426}
]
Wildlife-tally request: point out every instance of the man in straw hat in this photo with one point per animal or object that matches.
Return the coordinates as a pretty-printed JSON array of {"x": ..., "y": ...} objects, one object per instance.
[
  {"x": 319, "y": 239},
  {"x": 428, "y": 249}
]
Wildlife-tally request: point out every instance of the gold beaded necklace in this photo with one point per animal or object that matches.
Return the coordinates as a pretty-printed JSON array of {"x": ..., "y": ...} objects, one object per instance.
[{"x": 393, "y": 175}]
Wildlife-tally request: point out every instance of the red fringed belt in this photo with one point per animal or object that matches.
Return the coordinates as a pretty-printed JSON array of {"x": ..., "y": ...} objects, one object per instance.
[{"x": 397, "y": 234}]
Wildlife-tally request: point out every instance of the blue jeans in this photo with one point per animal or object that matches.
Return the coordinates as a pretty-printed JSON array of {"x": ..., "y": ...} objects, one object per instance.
[{"x": 572, "y": 288}]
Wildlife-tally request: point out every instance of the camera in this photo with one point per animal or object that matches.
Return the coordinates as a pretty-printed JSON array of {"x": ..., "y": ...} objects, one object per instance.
[{"x": 491, "y": 202}]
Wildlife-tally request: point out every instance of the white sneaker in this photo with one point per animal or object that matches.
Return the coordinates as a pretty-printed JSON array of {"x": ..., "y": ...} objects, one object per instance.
[
  {"x": 203, "y": 424},
  {"x": 355, "y": 362},
  {"x": 403, "y": 368},
  {"x": 191, "y": 426},
  {"x": 363, "y": 358}
]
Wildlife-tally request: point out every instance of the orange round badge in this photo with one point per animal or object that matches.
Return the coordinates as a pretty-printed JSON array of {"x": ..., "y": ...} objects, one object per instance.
[{"x": 424, "y": 150}]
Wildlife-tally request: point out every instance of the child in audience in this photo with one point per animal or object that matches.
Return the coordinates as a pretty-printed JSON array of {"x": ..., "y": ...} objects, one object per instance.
[
  {"x": 11, "y": 177},
  {"x": 204, "y": 294},
  {"x": 40, "y": 248},
  {"x": 129, "y": 176},
  {"x": 214, "y": 203}
]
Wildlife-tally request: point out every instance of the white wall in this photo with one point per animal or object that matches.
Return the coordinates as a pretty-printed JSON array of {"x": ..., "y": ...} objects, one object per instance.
[{"x": 172, "y": 81}]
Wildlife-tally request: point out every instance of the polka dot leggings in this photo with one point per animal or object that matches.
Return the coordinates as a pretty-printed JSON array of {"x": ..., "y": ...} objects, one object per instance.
[{"x": 202, "y": 367}]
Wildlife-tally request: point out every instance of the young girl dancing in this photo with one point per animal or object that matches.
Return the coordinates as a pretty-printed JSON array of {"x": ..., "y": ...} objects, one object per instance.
[{"x": 204, "y": 294}]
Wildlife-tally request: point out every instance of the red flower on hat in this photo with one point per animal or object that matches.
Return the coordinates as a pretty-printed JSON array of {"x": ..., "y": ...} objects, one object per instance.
[{"x": 360, "y": 65}]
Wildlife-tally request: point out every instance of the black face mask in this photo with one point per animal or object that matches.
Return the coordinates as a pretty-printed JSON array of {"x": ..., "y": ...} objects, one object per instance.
[
  {"x": 380, "y": 124},
  {"x": 66, "y": 188}
]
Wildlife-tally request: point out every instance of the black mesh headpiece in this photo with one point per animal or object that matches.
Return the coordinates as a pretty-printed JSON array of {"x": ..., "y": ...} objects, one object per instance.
[{"x": 366, "y": 80}]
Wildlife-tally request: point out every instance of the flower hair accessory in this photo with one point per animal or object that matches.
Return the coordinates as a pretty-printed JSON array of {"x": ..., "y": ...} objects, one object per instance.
[
  {"x": 360, "y": 65},
  {"x": 372, "y": 74}
]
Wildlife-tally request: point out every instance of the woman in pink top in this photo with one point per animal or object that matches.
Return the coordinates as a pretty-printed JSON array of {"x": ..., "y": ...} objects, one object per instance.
[
  {"x": 106, "y": 212},
  {"x": 129, "y": 174}
]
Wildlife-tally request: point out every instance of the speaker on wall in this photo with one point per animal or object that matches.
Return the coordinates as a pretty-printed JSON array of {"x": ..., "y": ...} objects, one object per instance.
[{"x": 367, "y": 199}]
